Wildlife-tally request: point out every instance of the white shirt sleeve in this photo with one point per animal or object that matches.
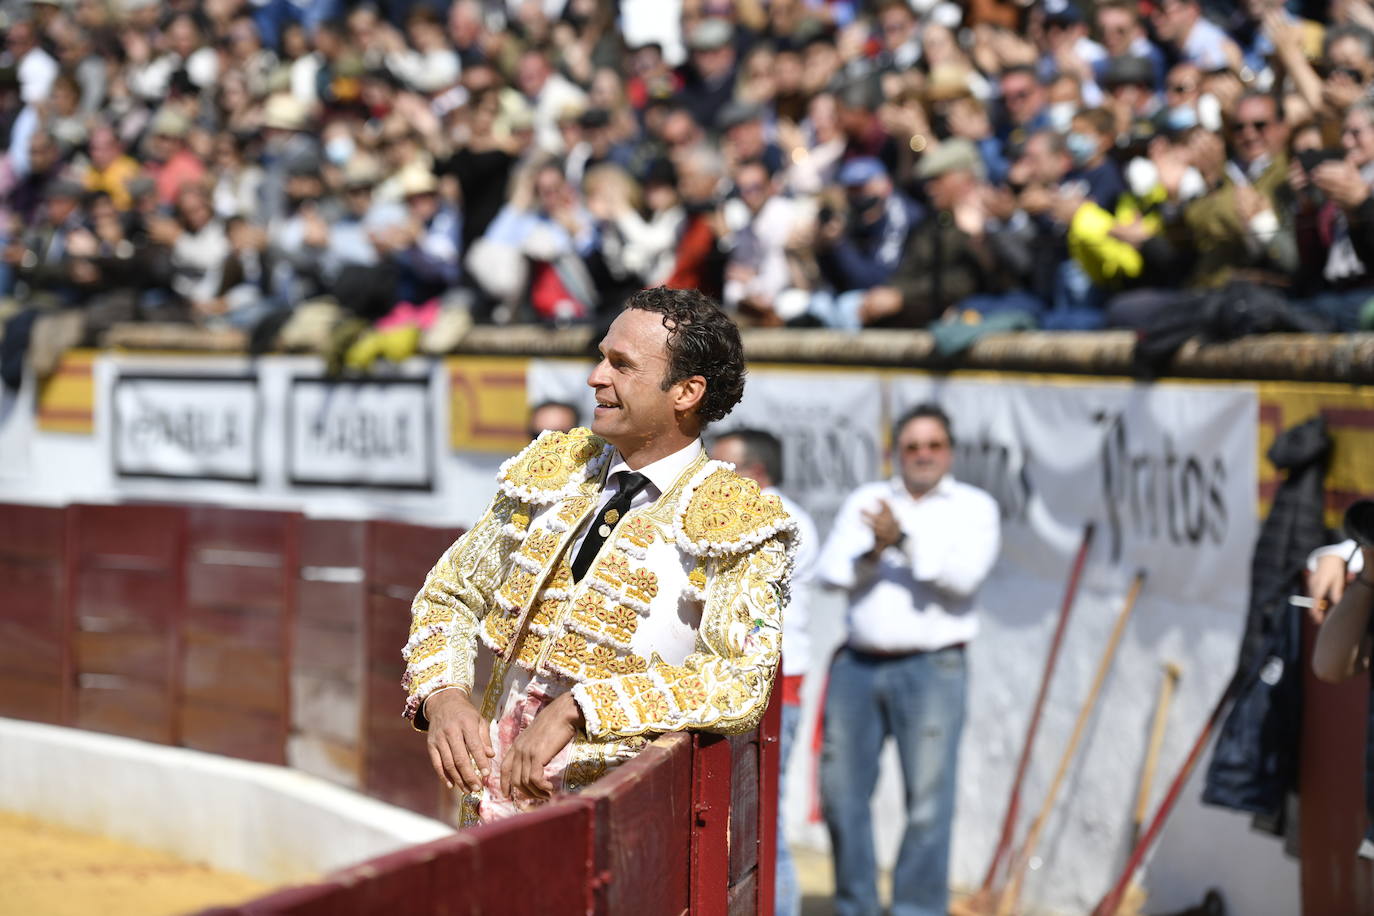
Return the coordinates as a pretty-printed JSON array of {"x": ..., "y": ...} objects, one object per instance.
[
  {"x": 958, "y": 559},
  {"x": 839, "y": 564},
  {"x": 1344, "y": 550}
]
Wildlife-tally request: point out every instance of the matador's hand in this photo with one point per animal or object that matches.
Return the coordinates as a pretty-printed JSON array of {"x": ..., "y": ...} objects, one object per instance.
[
  {"x": 553, "y": 727},
  {"x": 459, "y": 740}
]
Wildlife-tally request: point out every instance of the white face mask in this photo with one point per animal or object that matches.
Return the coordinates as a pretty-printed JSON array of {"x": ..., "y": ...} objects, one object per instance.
[
  {"x": 339, "y": 150},
  {"x": 1142, "y": 177},
  {"x": 1060, "y": 115},
  {"x": 1191, "y": 185}
]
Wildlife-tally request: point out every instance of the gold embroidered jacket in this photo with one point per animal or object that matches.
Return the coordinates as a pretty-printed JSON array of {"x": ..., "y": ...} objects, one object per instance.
[{"x": 676, "y": 625}]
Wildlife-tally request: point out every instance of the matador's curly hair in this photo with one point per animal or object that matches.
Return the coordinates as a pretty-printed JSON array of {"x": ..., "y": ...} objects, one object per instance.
[{"x": 702, "y": 340}]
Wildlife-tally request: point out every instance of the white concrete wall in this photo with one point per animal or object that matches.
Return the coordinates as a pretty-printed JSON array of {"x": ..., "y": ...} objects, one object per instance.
[{"x": 271, "y": 823}]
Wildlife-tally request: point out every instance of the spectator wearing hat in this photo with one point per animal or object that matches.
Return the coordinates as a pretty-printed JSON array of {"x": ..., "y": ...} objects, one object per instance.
[
  {"x": 951, "y": 257},
  {"x": 708, "y": 77},
  {"x": 860, "y": 248},
  {"x": 200, "y": 248},
  {"x": 1131, "y": 97},
  {"x": 1122, "y": 35},
  {"x": 169, "y": 161},
  {"x": 426, "y": 253},
  {"x": 744, "y": 136}
]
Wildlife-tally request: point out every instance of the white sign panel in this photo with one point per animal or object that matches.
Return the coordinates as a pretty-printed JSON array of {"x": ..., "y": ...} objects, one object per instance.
[
  {"x": 195, "y": 427},
  {"x": 373, "y": 433}
]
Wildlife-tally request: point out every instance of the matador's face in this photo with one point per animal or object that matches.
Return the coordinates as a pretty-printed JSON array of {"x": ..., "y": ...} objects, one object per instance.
[{"x": 632, "y": 407}]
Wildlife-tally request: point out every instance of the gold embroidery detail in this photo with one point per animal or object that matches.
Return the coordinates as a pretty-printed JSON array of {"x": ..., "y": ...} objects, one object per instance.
[
  {"x": 530, "y": 649},
  {"x": 608, "y": 711},
  {"x": 520, "y": 518},
  {"x": 539, "y": 546},
  {"x": 698, "y": 576},
  {"x": 640, "y": 531},
  {"x": 613, "y": 569},
  {"x": 726, "y": 507},
  {"x": 573, "y": 509},
  {"x": 518, "y": 586},
  {"x": 562, "y": 577},
  {"x": 548, "y": 611},
  {"x": 642, "y": 584},
  {"x": 576, "y": 657}
]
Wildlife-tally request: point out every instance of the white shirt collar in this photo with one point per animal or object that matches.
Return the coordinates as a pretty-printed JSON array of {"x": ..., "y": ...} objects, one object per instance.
[
  {"x": 943, "y": 487},
  {"x": 664, "y": 472}
]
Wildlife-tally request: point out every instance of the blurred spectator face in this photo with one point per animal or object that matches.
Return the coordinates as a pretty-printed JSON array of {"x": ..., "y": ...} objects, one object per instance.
[
  {"x": 570, "y": 130},
  {"x": 746, "y": 140},
  {"x": 1357, "y": 137},
  {"x": 358, "y": 199},
  {"x": 1043, "y": 162},
  {"x": 1347, "y": 55},
  {"x": 1174, "y": 19},
  {"x": 550, "y": 189},
  {"x": 714, "y": 64},
  {"x": 680, "y": 130},
  {"x": 1023, "y": 96},
  {"x": 607, "y": 90},
  {"x": 557, "y": 417},
  {"x": 66, "y": 96},
  {"x": 824, "y": 114},
  {"x": 1117, "y": 27},
  {"x": 227, "y": 158},
  {"x": 294, "y": 44},
  {"x": 1094, "y": 143},
  {"x": 788, "y": 75},
  {"x": 425, "y": 31},
  {"x": 758, "y": 81},
  {"x": 21, "y": 39},
  {"x": 945, "y": 191},
  {"x": 42, "y": 154},
  {"x": 820, "y": 64},
  {"x": 244, "y": 40},
  {"x": 193, "y": 207},
  {"x": 1183, "y": 85},
  {"x": 465, "y": 24},
  {"x": 938, "y": 45},
  {"x": 422, "y": 207},
  {"x": 480, "y": 77},
  {"x": 104, "y": 148},
  {"x": 897, "y": 24},
  {"x": 647, "y": 62},
  {"x": 753, "y": 185},
  {"x": 1256, "y": 129},
  {"x": 869, "y": 200},
  {"x": 60, "y": 208},
  {"x": 697, "y": 178},
  {"x": 182, "y": 36},
  {"x": 532, "y": 73},
  {"x": 362, "y": 26}
]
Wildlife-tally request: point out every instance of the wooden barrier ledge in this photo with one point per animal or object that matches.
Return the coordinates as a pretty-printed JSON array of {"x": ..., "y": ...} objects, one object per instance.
[{"x": 1346, "y": 358}]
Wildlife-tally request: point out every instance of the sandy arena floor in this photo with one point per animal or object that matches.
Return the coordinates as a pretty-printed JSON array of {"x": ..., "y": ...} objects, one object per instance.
[{"x": 52, "y": 871}]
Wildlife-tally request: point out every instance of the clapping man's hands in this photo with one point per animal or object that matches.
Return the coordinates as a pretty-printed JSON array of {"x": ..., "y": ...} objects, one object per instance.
[{"x": 886, "y": 532}]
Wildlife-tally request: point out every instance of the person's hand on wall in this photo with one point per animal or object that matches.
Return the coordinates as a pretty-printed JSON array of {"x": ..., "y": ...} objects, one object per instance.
[{"x": 459, "y": 740}]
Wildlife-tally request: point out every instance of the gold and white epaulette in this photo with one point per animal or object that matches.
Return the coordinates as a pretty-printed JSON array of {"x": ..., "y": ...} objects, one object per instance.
[
  {"x": 554, "y": 466},
  {"x": 723, "y": 514}
]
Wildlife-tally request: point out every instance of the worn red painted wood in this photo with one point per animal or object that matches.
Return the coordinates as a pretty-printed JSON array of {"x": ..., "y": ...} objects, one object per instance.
[
  {"x": 33, "y": 647},
  {"x": 1331, "y": 786},
  {"x": 236, "y": 633},
  {"x": 396, "y": 765},
  {"x": 124, "y": 580},
  {"x": 643, "y": 838},
  {"x": 711, "y": 792},
  {"x": 745, "y": 800}
]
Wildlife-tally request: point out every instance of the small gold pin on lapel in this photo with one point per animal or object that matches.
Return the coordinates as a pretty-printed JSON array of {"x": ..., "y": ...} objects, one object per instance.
[{"x": 612, "y": 516}]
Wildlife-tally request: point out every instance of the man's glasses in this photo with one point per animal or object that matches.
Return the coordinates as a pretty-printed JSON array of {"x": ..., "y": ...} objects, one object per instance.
[
  {"x": 913, "y": 448},
  {"x": 1181, "y": 88}
]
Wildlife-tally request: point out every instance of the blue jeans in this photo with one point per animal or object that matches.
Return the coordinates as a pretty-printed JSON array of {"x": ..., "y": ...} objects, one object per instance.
[
  {"x": 918, "y": 700},
  {"x": 787, "y": 894}
]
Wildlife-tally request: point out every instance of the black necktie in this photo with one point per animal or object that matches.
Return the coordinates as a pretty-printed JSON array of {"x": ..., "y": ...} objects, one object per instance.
[{"x": 606, "y": 520}]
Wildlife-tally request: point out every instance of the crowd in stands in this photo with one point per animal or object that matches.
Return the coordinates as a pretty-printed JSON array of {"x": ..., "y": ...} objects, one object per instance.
[{"x": 1065, "y": 164}]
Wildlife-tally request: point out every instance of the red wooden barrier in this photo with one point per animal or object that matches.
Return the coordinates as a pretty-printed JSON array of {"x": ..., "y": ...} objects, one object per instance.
[
  {"x": 1335, "y": 882},
  {"x": 396, "y": 765},
  {"x": 236, "y": 632},
  {"x": 34, "y": 661},
  {"x": 124, "y": 575}
]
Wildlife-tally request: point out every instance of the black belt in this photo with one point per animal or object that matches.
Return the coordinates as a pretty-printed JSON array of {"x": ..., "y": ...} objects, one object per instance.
[{"x": 960, "y": 646}]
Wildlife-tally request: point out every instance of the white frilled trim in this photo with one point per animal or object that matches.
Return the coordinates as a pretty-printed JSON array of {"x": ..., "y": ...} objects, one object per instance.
[
  {"x": 589, "y": 471},
  {"x": 488, "y": 640},
  {"x": 420, "y": 636},
  {"x": 511, "y": 531},
  {"x": 667, "y": 692},
  {"x": 619, "y": 596},
  {"x": 590, "y": 717},
  {"x": 528, "y": 564},
  {"x": 597, "y": 636},
  {"x": 695, "y": 593},
  {"x": 728, "y": 548},
  {"x": 631, "y": 549},
  {"x": 555, "y": 594}
]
